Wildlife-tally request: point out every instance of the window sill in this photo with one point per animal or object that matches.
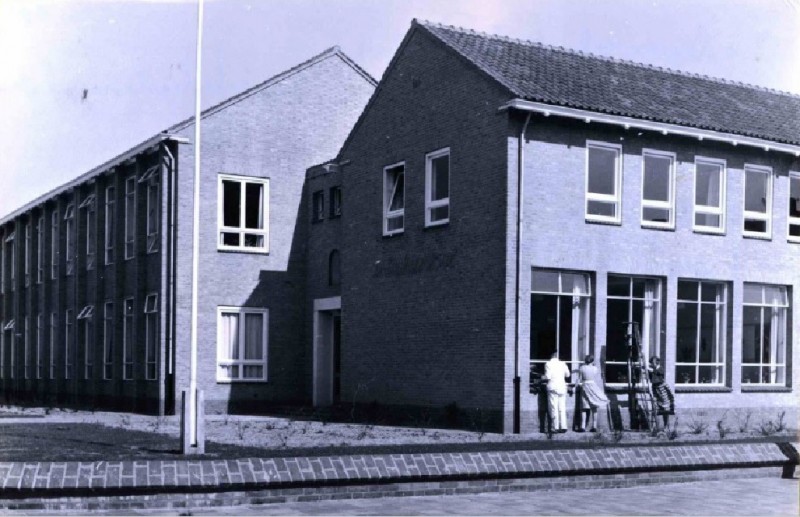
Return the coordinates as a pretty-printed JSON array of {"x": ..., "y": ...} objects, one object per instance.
[
  {"x": 244, "y": 250},
  {"x": 757, "y": 237},
  {"x": 746, "y": 388},
  {"x": 793, "y": 241},
  {"x": 704, "y": 231},
  {"x": 658, "y": 228},
  {"x": 606, "y": 222},
  {"x": 242, "y": 381},
  {"x": 437, "y": 224},
  {"x": 702, "y": 389},
  {"x": 393, "y": 234}
]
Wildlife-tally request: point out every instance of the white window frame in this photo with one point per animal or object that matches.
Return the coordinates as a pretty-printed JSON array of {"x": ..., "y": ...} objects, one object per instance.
[
  {"x": 153, "y": 222},
  {"x": 69, "y": 229},
  {"x": 150, "y": 311},
  {"x": 792, "y": 221},
  {"x": 53, "y": 341},
  {"x": 109, "y": 223},
  {"x": 664, "y": 205},
  {"x": 128, "y": 324},
  {"x": 88, "y": 345},
  {"x": 242, "y": 230},
  {"x": 773, "y": 365},
  {"x": 108, "y": 340},
  {"x": 616, "y": 198},
  {"x": 129, "y": 229},
  {"x": 69, "y": 331},
  {"x": 26, "y": 347},
  {"x": 703, "y": 209},
  {"x": 222, "y": 360},
  {"x": 40, "y": 249},
  {"x": 91, "y": 230},
  {"x": 54, "y": 244},
  {"x": 39, "y": 347},
  {"x": 721, "y": 306},
  {"x": 27, "y": 254},
  {"x": 12, "y": 263},
  {"x": 757, "y": 216},
  {"x": 387, "y": 214},
  {"x": 431, "y": 204}
]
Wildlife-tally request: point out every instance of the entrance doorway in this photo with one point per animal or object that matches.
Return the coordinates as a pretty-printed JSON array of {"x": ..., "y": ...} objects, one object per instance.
[{"x": 327, "y": 387}]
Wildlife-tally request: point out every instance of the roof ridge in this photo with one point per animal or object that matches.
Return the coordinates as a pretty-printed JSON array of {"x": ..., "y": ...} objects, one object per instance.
[{"x": 537, "y": 44}]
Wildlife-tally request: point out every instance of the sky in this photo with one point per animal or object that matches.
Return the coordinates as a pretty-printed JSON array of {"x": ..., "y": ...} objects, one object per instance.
[{"x": 81, "y": 81}]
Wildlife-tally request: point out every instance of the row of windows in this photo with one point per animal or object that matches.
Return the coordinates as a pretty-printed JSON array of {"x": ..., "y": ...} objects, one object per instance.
[
  {"x": 560, "y": 321},
  {"x": 33, "y": 341},
  {"x": 318, "y": 204},
  {"x": 437, "y": 192},
  {"x": 88, "y": 209},
  {"x": 604, "y": 192}
]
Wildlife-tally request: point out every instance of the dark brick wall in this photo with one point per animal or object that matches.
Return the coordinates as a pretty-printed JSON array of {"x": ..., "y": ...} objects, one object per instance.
[{"x": 423, "y": 312}]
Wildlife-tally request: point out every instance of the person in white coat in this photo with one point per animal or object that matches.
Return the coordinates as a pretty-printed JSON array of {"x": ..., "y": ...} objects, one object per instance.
[{"x": 557, "y": 373}]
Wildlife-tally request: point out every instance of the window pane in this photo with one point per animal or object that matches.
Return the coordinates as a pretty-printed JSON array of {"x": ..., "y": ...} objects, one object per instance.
[
  {"x": 711, "y": 292},
  {"x": 616, "y": 344},
  {"x": 755, "y": 191},
  {"x": 617, "y": 373},
  {"x": 752, "y": 225},
  {"x": 440, "y": 184},
  {"x": 395, "y": 223},
  {"x": 253, "y": 336},
  {"x": 656, "y": 178},
  {"x": 440, "y": 213},
  {"x": 253, "y": 372},
  {"x": 751, "y": 334},
  {"x": 638, "y": 285},
  {"x": 397, "y": 184},
  {"x": 751, "y": 375},
  {"x": 753, "y": 293},
  {"x": 601, "y": 208},
  {"x": 230, "y": 336},
  {"x": 619, "y": 286},
  {"x": 708, "y": 333},
  {"x": 602, "y": 169},
  {"x": 545, "y": 281},
  {"x": 794, "y": 230},
  {"x": 794, "y": 196},
  {"x": 655, "y": 215},
  {"x": 687, "y": 290},
  {"x": 574, "y": 283},
  {"x": 710, "y": 220},
  {"x": 231, "y": 203},
  {"x": 253, "y": 241},
  {"x": 686, "y": 333},
  {"x": 543, "y": 326},
  {"x": 230, "y": 239},
  {"x": 685, "y": 374},
  {"x": 565, "y": 329},
  {"x": 774, "y": 295},
  {"x": 254, "y": 206},
  {"x": 711, "y": 374},
  {"x": 707, "y": 186}
]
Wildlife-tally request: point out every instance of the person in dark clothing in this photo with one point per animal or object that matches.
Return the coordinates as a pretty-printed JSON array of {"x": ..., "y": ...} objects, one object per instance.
[{"x": 665, "y": 401}]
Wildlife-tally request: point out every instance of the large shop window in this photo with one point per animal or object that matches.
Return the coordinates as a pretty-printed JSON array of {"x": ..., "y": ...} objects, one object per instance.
[
  {"x": 764, "y": 329},
  {"x": 559, "y": 317},
  {"x": 658, "y": 189},
  {"x": 757, "y": 201},
  {"x": 603, "y": 182},
  {"x": 630, "y": 299},
  {"x": 241, "y": 344},
  {"x": 709, "y": 195},
  {"x": 243, "y": 219},
  {"x": 794, "y": 207},
  {"x": 394, "y": 189},
  {"x": 701, "y": 333}
]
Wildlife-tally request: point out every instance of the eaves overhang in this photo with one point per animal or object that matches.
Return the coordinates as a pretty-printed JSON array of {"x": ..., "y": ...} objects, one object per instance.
[{"x": 649, "y": 125}]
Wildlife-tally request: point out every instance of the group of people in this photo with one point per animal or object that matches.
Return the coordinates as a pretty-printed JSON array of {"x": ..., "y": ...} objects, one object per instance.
[{"x": 592, "y": 393}]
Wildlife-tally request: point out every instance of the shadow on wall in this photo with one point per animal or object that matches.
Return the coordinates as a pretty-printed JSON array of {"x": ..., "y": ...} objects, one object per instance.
[{"x": 283, "y": 293}]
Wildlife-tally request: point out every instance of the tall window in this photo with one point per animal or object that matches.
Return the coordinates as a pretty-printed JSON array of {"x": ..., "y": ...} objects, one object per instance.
[
  {"x": 27, "y": 254},
  {"x": 336, "y": 201},
  {"x": 53, "y": 341},
  {"x": 11, "y": 341},
  {"x": 764, "y": 323},
  {"x": 241, "y": 344},
  {"x": 40, "y": 249},
  {"x": 2, "y": 351},
  {"x": 26, "y": 350},
  {"x": 11, "y": 259},
  {"x": 794, "y": 207},
  {"x": 108, "y": 341},
  {"x": 151, "y": 336},
  {"x": 658, "y": 189},
  {"x": 437, "y": 187},
  {"x": 603, "y": 182},
  {"x": 127, "y": 339},
  {"x": 153, "y": 213},
  {"x": 54, "y": 244},
  {"x": 2, "y": 264},
  {"x": 630, "y": 299},
  {"x": 68, "y": 339},
  {"x": 394, "y": 187},
  {"x": 110, "y": 224},
  {"x": 69, "y": 231},
  {"x": 130, "y": 216},
  {"x": 334, "y": 268},
  {"x": 91, "y": 237},
  {"x": 709, "y": 195},
  {"x": 317, "y": 206},
  {"x": 701, "y": 333},
  {"x": 757, "y": 201},
  {"x": 39, "y": 347},
  {"x": 243, "y": 218},
  {"x": 85, "y": 319},
  {"x": 559, "y": 317}
]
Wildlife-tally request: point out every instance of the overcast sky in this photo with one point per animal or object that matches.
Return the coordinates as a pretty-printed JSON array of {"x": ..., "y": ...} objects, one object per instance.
[{"x": 83, "y": 80}]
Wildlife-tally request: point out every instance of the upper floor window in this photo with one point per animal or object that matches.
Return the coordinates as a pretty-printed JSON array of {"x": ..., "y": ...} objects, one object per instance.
[
  {"x": 794, "y": 206},
  {"x": 11, "y": 258},
  {"x": 69, "y": 235},
  {"x": 110, "y": 224},
  {"x": 243, "y": 217},
  {"x": 764, "y": 328},
  {"x": 336, "y": 201},
  {"x": 701, "y": 333},
  {"x": 91, "y": 237},
  {"x": 153, "y": 213},
  {"x": 709, "y": 195},
  {"x": 318, "y": 206},
  {"x": 394, "y": 190},
  {"x": 54, "y": 244},
  {"x": 130, "y": 216},
  {"x": 27, "y": 254},
  {"x": 40, "y": 249},
  {"x": 603, "y": 182},
  {"x": 437, "y": 187},
  {"x": 757, "y": 201},
  {"x": 658, "y": 189}
]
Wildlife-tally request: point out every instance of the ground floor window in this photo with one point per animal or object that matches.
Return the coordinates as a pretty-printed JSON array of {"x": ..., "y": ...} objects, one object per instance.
[
  {"x": 559, "y": 317},
  {"x": 630, "y": 299},
  {"x": 241, "y": 344},
  {"x": 764, "y": 330},
  {"x": 151, "y": 336},
  {"x": 108, "y": 341},
  {"x": 127, "y": 339},
  {"x": 701, "y": 333}
]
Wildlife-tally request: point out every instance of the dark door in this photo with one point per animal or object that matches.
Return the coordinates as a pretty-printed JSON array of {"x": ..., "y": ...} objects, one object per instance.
[{"x": 337, "y": 358}]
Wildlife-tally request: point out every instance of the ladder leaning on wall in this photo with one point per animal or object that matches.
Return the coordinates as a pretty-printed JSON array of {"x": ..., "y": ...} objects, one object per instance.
[{"x": 640, "y": 395}]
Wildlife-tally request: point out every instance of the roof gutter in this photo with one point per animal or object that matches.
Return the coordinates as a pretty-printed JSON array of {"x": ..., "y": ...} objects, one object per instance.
[{"x": 649, "y": 125}]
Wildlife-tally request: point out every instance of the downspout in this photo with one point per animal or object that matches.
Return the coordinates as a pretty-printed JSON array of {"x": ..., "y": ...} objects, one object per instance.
[
  {"x": 520, "y": 190},
  {"x": 170, "y": 249}
]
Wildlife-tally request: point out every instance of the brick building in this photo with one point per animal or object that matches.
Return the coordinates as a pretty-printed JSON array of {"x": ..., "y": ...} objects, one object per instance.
[
  {"x": 96, "y": 275},
  {"x": 646, "y": 195}
]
